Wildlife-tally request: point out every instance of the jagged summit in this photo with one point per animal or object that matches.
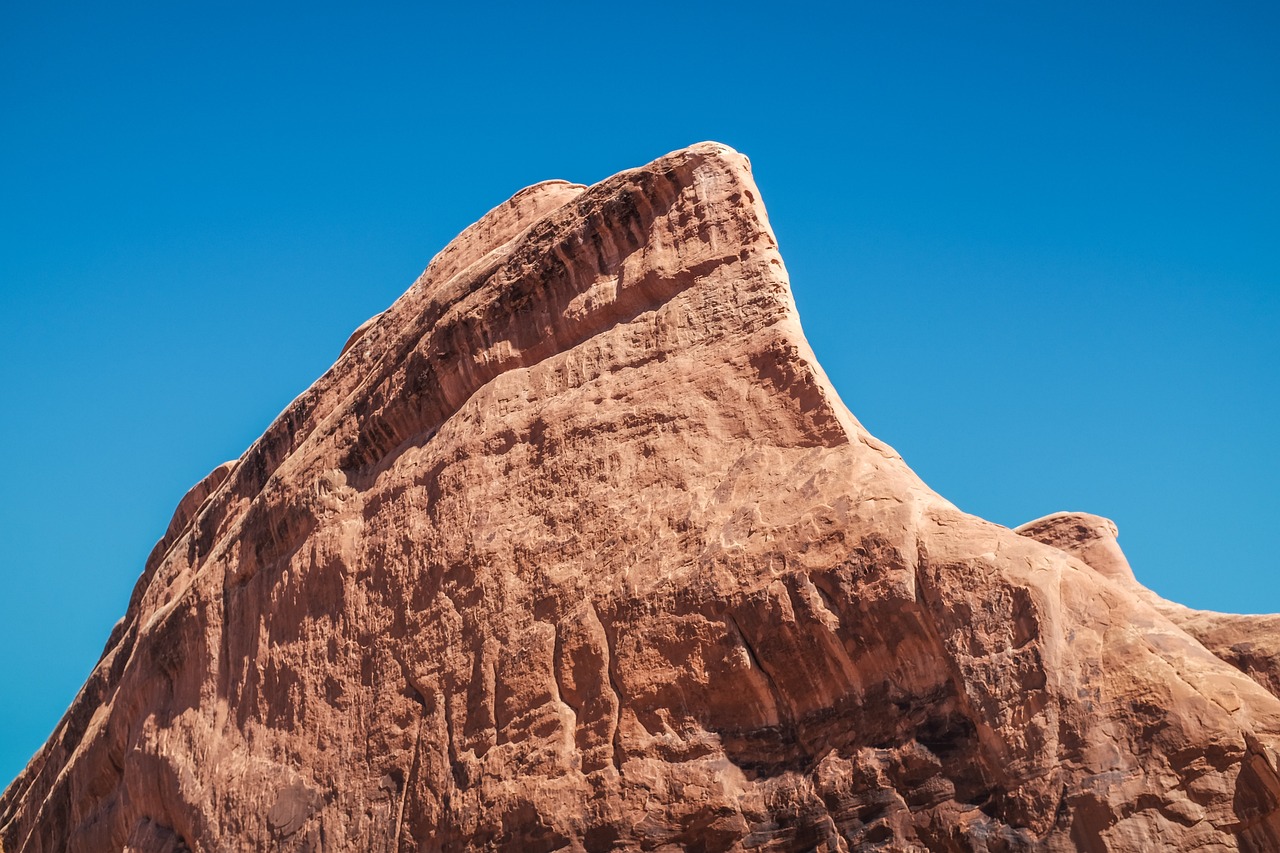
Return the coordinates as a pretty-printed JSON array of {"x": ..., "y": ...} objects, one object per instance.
[{"x": 575, "y": 547}]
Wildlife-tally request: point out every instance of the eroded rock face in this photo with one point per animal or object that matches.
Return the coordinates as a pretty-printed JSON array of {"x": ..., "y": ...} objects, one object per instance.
[
  {"x": 1249, "y": 643},
  {"x": 575, "y": 547},
  {"x": 1091, "y": 538}
]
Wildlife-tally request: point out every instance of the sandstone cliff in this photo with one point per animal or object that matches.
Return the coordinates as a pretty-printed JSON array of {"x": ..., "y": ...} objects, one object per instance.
[{"x": 575, "y": 547}]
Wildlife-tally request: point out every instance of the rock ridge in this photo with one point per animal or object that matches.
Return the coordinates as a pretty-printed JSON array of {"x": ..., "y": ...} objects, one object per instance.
[{"x": 576, "y": 547}]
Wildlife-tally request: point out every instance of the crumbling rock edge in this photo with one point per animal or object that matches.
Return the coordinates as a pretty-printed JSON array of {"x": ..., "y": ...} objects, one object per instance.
[{"x": 576, "y": 547}]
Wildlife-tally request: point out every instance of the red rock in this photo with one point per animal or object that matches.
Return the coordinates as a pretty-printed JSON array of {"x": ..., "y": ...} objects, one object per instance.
[
  {"x": 575, "y": 547},
  {"x": 1091, "y": 538},
  {"x": 1249, "y": 643}
]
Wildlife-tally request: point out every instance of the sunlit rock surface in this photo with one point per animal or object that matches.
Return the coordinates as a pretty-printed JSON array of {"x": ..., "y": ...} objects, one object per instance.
[{"x": 575, "y": 547}]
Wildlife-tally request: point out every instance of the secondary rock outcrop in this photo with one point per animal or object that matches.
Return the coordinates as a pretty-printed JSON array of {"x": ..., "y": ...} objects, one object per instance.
[
  {"x": 1249, "y": 643},
  {"x": 575, "y": 547}
]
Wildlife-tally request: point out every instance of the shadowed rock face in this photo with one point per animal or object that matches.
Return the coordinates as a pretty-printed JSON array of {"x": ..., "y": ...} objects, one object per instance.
[{"x": 575, "y": 547}]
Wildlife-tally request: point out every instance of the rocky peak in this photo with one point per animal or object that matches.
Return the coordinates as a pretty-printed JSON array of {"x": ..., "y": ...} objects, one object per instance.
[{"x": 576, "y": 548}]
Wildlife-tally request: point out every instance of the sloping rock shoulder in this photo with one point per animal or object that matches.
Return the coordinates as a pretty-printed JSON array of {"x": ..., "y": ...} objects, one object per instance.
[
  {"x": 1249, "y": 643},
  {"x": 575, "y": 547}
]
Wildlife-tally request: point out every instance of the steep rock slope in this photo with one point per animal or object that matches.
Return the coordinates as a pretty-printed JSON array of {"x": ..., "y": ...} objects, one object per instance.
[{"x": 575, "y": 547}]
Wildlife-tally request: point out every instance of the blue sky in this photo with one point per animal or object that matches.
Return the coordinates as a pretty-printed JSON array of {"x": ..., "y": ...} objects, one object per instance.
[{"x": 1034, "y": 245}]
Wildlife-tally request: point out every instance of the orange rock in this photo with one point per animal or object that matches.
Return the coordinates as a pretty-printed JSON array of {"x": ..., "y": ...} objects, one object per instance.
[
  {"x": 576, "y": 547},
  {"x": 1249, "y": 643}
]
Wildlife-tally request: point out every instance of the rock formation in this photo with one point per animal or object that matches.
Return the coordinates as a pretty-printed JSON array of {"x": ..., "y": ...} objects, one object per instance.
[
  {"x": 575, "y": 547},
  {"x": 1249, "y": 643}
]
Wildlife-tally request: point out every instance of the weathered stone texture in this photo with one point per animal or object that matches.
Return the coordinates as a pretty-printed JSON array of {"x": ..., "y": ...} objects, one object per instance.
[{"x": 575, "y": 547}]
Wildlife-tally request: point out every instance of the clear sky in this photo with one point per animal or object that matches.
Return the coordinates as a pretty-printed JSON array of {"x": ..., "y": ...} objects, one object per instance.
[{"x": 1035, "y": 245}]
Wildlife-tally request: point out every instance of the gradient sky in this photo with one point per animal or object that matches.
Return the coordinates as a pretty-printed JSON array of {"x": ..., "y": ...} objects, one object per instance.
[{"x": 1035, "y": 245}]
